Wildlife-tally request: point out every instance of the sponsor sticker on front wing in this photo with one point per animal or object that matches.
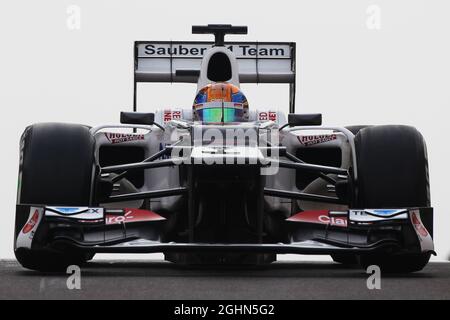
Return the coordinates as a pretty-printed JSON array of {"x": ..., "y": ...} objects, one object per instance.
[{"x": 26, "y": 234}]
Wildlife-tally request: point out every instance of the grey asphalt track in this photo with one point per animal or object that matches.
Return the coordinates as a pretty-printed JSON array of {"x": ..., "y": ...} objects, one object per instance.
[{"x": 281, "y": 280}]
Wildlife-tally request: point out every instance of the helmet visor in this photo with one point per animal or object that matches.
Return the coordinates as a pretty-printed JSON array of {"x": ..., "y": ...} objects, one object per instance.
[{"x": 220, "y": 112}]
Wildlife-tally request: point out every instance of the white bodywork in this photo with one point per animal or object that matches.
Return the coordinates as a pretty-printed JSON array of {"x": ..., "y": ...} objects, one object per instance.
[
  {"x": 163, "y": 178},
  {"x": 276, "y": 67}
]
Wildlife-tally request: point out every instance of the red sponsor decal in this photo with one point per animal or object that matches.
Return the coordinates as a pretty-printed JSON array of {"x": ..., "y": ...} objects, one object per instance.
[
  {"x": 319, "y": 217},
  {"x": 418, "y": 225},
  {"x": 32, "y": 222},
  {"x": 133, "y": 215},
  {"x": 167, "y": 116},
  {"x": 273, "y": 116},
  {"x": 267, "y": 116},
  {"x": 316, "y": 139},
  {"x": 171, "y": 115},
  {"x": 123, "y": 137}
]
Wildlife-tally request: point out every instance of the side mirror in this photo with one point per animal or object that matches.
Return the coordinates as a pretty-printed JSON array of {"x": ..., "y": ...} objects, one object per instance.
[
  {"x": 137, "y": 118},
  {"x": 314, "y": 119}
]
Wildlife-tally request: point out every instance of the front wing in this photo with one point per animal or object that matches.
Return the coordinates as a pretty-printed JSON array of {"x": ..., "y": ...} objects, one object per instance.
[{"x": 101, "y": 230}]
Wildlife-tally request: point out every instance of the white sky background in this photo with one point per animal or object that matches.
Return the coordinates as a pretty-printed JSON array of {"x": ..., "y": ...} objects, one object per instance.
[{"x": 398, "y": 74}]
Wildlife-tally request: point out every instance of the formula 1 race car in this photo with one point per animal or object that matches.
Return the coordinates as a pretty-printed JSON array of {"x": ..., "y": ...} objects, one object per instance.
[{"x": 220, "y": 182}]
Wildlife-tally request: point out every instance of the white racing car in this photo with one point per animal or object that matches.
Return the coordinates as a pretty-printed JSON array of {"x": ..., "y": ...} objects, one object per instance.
[{"x": 220, "y": 182}]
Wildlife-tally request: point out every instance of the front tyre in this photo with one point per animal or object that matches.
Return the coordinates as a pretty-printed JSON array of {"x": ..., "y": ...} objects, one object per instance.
[
  {"x": 345, "y": 259},
  {"x": 403, "y": 263},
  {"x": 56, "y": 168},
  {"x": 392, "y": 168}
]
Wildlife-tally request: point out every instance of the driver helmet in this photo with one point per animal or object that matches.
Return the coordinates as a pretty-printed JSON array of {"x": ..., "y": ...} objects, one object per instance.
[{"x": 220, "y": 102}]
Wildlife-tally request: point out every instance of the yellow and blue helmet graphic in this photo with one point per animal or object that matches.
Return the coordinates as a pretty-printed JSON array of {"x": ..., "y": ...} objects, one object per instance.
[{"x": 220, "y": 102}]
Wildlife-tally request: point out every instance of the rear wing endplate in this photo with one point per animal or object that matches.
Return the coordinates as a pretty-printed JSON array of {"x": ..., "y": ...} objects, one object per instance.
[{"x": 179, "y": 62}]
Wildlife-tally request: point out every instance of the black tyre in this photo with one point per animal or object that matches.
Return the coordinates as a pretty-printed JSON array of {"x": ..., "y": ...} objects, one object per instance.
[
  {"x": 392, "y": 173},
  {"x": 57, "y": 162},
  {"x": 48, "y": 260},
  {"x": 345, "y": 259},
  {"x": 403, "y": 263},
  {"x": 356, "y": 128}
]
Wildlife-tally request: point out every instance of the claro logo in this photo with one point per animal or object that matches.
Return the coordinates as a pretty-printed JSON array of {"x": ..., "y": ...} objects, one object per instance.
[
  {"x": 333, "y": 221},
  {"x": 32, "y": 222},
  {"x": 319, "y": 217}
]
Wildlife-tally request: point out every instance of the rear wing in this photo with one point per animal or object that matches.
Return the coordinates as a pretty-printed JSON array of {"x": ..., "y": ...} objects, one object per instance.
[{"x": 179, "y": 61}]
